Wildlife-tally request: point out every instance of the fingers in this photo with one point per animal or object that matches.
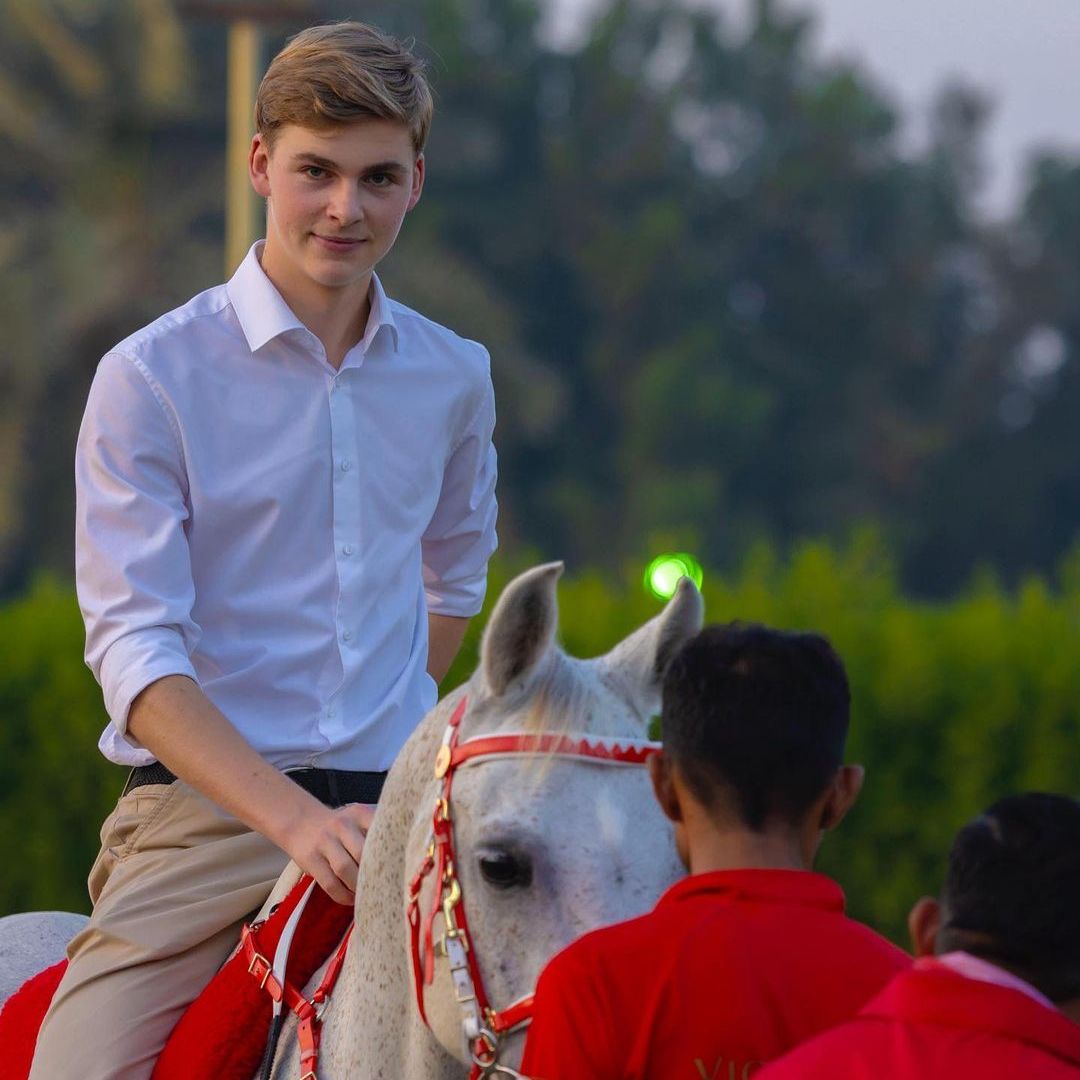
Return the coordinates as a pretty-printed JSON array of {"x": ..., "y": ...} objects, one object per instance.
[
  {"x": 343, "y": 848},
  {"x": 331, "y": 883},
  {"x": 334, "y": 844},
  {"x": 350, "y": 836},
  {"x": 362, "y": 813}
]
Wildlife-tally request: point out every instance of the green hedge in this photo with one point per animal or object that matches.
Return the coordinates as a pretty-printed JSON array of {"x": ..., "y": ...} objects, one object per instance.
[
  {"x": 55, "y": 788},
  {"x": 955, "y": 705}
]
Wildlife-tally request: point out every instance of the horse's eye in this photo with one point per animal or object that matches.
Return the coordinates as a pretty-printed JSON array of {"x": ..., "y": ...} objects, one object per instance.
[{"x": 506, "y": 870}]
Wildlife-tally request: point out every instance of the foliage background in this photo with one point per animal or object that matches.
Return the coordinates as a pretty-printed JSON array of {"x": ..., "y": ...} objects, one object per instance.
[
  {"x": 727, "y": 312},
  {"x": 955, "y": 705}
]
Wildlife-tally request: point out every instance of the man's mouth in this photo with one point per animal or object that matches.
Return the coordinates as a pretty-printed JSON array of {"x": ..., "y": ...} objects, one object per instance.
[{"x": 342, "y": 243}]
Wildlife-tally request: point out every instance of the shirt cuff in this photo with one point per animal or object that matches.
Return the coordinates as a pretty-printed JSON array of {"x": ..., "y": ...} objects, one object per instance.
[
  {"x": 135, "y": 661},
  {"x": 460, "y": 603},
  {"x": 462, "y": 598}
]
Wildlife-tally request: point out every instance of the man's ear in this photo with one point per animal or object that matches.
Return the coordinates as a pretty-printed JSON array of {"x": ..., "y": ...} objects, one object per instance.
[
  {"x": 663, "y": 785},
  {"x": 841, "y": 795},
  {"x": 259, "y": 166},
  {"x": 924, "y": 925},
  {"x": 417, "y": 182}
]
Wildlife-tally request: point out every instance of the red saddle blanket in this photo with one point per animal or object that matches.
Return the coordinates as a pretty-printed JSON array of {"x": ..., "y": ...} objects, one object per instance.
[{"x": 224, "y": 1031}]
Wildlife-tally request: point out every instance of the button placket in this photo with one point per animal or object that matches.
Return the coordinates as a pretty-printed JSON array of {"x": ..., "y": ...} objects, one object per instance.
[{"x": 346, "y": 500}]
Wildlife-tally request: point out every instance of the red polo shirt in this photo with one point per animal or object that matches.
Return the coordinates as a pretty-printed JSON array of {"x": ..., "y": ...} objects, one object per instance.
[
  {"x": 931, "y": 1023},
  {"x": 731, "y": 969}
]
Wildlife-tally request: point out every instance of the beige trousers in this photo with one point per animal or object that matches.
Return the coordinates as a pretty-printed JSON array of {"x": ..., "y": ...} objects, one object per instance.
[{"x": 175, "y": 879}]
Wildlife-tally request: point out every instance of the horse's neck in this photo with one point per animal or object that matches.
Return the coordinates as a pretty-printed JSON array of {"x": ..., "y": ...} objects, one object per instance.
[{"x": 373, "y": 1028}]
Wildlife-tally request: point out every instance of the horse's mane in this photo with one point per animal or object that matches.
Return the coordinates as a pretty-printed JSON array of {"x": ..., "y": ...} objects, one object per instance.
[{"x": 560, "y": 699}]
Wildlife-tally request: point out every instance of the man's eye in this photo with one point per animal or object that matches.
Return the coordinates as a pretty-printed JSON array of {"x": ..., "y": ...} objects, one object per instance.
[
  {"x": 316, "y": 172},
  {"x": 380, "y": 179}
]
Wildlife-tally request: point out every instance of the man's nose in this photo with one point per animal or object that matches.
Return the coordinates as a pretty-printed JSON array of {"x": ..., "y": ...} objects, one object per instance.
[{"x": 345, "y": 205}]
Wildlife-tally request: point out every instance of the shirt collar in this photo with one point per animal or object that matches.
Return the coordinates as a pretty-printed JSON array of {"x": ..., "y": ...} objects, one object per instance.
[
  {"x": 264, "y": 315},
  {"x": 931, "y": 992},
  {"x": 801, "y": 887},
  {"x": 381, "y": 315},
  {"x": 260, "y": 308},
  {"x": 974, "y": 967}
]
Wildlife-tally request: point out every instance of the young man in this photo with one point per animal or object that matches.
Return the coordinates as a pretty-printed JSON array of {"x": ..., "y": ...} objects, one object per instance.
[
  {"x": 995, "y": 993},
  {"x": 752, "y": 952},
  {"x": 285, "y": 513}
]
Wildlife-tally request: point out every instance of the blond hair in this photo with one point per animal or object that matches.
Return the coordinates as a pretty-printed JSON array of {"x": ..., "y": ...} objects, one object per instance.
[{"x": 341, "y": 73}]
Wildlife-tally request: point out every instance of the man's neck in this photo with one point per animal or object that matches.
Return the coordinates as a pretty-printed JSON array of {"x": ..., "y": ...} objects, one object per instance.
[
  {"x": 337, "y": 317},
  {"x": 337, "y": 320},
  {"x": 744, "y": 849}
]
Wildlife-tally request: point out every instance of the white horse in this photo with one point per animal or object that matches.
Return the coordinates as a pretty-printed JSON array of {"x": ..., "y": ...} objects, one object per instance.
[{"x": 546, "y": 846}]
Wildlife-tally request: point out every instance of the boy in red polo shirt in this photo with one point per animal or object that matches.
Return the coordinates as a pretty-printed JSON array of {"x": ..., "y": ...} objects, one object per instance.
[
  {"x": 995, "y": 994},
  {"x": 752, "y": 953}
]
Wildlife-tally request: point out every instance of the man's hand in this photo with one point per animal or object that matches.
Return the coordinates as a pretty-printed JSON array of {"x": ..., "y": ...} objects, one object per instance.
[
  {"x": 328, "y": 845},
  {"x": 179, "y": 724}
]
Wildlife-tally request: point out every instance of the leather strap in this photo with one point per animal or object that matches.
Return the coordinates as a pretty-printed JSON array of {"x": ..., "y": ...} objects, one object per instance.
[
  {"x": 332, "y": 787},
  {"x": 308, "y": 1011}
]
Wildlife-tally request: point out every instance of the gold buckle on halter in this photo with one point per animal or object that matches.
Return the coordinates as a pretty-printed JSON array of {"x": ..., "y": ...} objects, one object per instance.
[
  {"x": 258, "y": 958},
  {"x": 452, "y": 900}
]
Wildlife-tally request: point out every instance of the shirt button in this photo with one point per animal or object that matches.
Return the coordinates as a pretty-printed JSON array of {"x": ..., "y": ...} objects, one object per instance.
[
  {"x": 346, "y": 465},
  {"x": 331, "y": 712},
  {"x": 346, "y": 635},
  {"x": 347, "y": 549}
]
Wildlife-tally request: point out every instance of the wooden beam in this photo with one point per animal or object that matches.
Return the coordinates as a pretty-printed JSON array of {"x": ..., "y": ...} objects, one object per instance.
[
  {"x": 243, "y": 208},
  {"x": 244, "y": 215}
]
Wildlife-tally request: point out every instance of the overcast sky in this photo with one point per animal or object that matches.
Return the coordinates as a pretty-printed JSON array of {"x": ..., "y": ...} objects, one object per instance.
[{"x": 1025, "y": 55}]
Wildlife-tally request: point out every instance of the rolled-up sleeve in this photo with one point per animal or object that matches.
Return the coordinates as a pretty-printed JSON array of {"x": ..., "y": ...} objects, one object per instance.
[
  {"x": 132, "y": 564},
  {"x": 461, "y": 538}
]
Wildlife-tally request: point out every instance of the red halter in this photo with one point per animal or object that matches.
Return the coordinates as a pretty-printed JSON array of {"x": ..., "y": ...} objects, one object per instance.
[{"x": 483, "y": 1025}]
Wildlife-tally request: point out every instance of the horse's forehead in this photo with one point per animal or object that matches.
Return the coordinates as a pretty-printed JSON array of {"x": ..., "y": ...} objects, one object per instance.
[
  {"x": 610, "y": 707},
  {"x": 582, "y": 696},
  {"x": 568, "y": 808}
]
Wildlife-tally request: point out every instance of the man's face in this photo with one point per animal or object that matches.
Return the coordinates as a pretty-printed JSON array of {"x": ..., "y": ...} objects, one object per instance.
[{"x": 336, "y": 200}]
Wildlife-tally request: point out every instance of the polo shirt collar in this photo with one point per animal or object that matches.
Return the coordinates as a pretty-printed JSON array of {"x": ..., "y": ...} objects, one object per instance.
[
  {"x": 933, "y": 993},
  {"x": 264, "y": 315},
  {"x": 801, "y": 887}
]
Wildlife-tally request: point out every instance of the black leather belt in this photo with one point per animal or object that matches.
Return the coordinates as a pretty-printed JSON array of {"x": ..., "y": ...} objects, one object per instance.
[{"x": 334, "y": 787}]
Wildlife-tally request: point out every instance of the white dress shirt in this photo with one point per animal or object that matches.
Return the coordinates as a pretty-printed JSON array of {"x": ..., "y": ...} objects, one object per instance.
[{"x": 278, "y": 530}]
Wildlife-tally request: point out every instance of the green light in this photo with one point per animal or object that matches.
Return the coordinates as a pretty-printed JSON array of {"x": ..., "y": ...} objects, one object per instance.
[{"x": 666, "y": 571}]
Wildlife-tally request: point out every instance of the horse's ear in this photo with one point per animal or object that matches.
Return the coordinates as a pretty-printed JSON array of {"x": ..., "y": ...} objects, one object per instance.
[
  {"x": 521, "y": 629},
  {"x": 640, "y": 661}
]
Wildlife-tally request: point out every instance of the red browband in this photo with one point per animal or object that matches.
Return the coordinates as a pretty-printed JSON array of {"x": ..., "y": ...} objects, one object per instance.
[{"x": 621, "y": 752}]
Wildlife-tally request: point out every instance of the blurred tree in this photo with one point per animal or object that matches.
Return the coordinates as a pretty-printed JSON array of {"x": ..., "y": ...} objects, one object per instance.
[
  {"x": 722, "y": 304},
  {"x": 1010, "y": 485},
  {"x": 110, "y": 214}
]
